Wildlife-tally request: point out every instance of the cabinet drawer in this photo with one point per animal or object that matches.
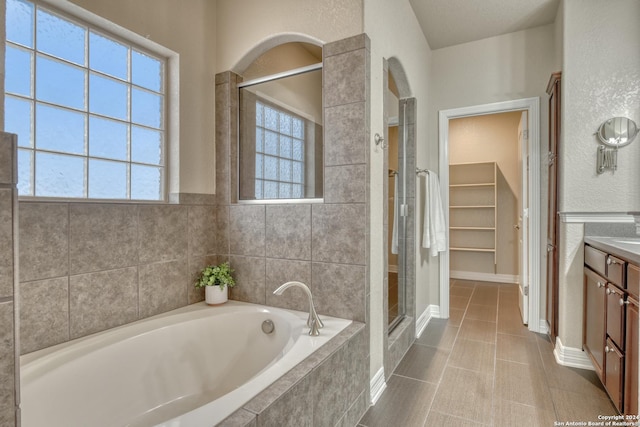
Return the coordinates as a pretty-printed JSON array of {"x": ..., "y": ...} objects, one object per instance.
[
  {"x": 594, "y": 333},
  {"x": 633, "y": 280},
  {"x": 615, "y": 270},
  {"x": 614, "y": 375},
  {"x": 615, "y": 315},
  {"x": 595, "y": 259}
]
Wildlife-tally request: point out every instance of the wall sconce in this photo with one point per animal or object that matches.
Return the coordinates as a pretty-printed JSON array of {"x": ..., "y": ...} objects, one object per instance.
[{"x": 614, "y": 133}]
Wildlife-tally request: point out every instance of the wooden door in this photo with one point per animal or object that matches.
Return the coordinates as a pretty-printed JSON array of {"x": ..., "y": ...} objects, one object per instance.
[{"x": 553, "y": 89}]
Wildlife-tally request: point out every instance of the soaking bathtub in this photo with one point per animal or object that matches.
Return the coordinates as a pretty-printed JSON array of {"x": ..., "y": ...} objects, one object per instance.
[{"x": 190, "y": 367}]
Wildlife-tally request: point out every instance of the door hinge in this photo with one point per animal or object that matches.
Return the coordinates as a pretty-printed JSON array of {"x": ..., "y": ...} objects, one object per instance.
[
  {"x": 526, "y": 291},
  {"x": 551, "y": 158},
  {"x": 525, "y": 134},
  {"x": 404, "y": 210}
]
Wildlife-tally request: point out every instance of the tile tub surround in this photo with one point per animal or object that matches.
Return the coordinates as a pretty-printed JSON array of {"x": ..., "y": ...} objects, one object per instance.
[
  {"x": 326, "y": 389},
  {"x": 9, "y": 361},
  {"x": 87, "y": 267},
  {"x": 327, "y": 243}
]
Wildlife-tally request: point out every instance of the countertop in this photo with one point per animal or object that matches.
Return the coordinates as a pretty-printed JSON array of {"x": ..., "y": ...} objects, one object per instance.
[{"x": 627, "y": 248}]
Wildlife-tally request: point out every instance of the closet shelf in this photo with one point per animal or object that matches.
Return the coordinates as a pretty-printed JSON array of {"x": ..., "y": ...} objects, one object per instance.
[
  {"x": 490, "y": 250},
  {"x": 473, "y": 228},
  {"x": 480, "y": 184},
  {"x": 473, "y": 207}
]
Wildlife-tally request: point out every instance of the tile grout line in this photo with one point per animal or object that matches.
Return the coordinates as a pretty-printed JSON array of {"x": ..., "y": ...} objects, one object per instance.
[{"x": 446, "y": 364}]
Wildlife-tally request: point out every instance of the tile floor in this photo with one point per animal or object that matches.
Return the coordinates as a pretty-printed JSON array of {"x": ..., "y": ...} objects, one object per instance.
[{"x": 482, "y": 367}]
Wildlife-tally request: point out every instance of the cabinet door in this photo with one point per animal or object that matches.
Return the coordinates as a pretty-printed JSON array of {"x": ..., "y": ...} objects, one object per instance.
[
  {"x": 631, "y": 360},
  {"x": 593, "y": 337},
  {"x": 615, "y": 315},
  {"x": 614, "y": 378}
]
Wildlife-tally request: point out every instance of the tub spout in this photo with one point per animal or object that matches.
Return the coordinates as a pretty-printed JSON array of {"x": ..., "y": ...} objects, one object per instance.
[{"x": 313, "y": 322}]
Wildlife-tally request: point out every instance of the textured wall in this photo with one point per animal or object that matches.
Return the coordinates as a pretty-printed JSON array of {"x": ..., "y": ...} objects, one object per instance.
[
  {"x": 600, "y": 80},
  {"x": 247, "y": 28},
  {"x": 9, "y": 363},
  {"x": 87, "y": 267},
  {"x": 593, "y": 90}
]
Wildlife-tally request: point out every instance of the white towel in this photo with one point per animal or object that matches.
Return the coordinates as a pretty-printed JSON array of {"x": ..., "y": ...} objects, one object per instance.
[
  {"x": 394, "y": 233},
  {"x": 434, "y": 236}
]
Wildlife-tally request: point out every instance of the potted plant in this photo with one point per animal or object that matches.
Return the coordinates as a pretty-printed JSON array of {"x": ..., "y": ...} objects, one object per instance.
[{"x": 216, "y": 279}]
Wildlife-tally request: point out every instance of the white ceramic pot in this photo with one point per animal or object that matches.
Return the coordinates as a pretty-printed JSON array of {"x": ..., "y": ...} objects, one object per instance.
[{"x": 214, "y": 296}]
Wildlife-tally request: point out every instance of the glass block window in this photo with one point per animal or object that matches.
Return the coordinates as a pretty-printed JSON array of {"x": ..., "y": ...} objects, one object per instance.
[
  {"x": 88, "y": 108},
  {"x": 279, "y": 153}
]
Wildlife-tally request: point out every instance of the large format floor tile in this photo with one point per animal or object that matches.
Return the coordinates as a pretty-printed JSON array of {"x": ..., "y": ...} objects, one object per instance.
[{"x": 482, "y": 367}]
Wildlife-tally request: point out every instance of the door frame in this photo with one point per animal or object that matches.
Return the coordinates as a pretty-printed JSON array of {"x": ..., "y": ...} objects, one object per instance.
[{"x": 532, "y": 106}]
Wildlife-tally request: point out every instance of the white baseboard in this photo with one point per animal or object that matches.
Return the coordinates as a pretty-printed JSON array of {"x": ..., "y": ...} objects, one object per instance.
[
  {"x": 432, "y": 311},
  {"x": 484, "y": 277},
  {"x": 377, "y": 385},
  {"x": 544, "y": 327},
  {"x": 572, "y": 357}
]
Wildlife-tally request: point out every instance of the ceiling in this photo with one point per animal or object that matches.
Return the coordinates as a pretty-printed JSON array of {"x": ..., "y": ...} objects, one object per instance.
[{"x": 450, "y": 22}]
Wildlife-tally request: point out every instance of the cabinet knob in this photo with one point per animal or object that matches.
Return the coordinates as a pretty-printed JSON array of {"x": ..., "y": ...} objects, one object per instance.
[
  {"x": 600, "y": 284},
  {"x": 608, "y": 349},
  {"x": 609, "y": 291},
  {"x": 611, "y": 261},
  {"x": 623, "y": 302}
]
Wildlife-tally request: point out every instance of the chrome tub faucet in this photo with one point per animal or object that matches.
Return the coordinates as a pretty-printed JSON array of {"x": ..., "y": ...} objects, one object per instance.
[{"x": 313, "y": 321}]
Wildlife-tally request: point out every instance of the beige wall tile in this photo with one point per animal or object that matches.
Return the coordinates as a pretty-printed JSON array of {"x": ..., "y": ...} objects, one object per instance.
[
  {"x": 162, "y": 233},
  {"x": 44, "y": 313},
  {"x": 7, "y": 365},
  {"x": 6, "y": 242},
  {"x": 345, "y": 78},
  {"x": 102, "y": 237},
  {"x": 339, "y": 290},
  {"x": 288, "y": 231},
  {"x": 338, "y": 233},
  {"x": 250, "y": 274},
  {"x": 162, "y": 287},
  {"x": 202, "y": 230},
  {"x": 44, "y": 243},
  {"x": 103, "y": 300},
  {"x": 8, "y": 163},
  {"x": 345, "y": 184},
  {"x": 247, "y": 230},
  {"x": 280, "y": 271}
]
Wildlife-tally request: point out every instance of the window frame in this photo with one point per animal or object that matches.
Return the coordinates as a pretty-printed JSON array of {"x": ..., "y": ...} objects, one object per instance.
[
  {"x": 169, "y": 91},
  {"x": 274, "y": 104}
]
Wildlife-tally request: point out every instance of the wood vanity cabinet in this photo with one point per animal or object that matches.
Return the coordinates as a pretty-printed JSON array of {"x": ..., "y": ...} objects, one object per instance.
[
  {"x": 593, "y": 331},
  {"x": 631, "y": 341},
  {"x": 610, "y": 324}
]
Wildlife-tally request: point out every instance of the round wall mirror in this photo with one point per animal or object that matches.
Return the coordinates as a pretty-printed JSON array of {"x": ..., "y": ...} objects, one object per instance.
[{"x": 617, "y": 131}]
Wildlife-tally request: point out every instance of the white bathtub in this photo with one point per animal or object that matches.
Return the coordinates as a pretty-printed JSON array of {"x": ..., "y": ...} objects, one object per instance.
[{"x": 190, "y": 367}]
